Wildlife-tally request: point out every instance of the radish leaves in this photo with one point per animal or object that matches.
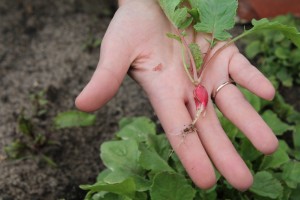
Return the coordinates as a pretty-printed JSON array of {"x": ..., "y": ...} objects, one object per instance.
[{"x": 216, "y": 17}]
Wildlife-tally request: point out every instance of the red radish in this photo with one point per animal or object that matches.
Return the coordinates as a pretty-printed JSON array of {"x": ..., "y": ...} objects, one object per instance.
[{"x": 201, "y": 99}]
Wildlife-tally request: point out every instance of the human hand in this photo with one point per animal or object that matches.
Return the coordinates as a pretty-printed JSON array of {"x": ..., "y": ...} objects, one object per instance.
[{"x": 136, "y": 42}]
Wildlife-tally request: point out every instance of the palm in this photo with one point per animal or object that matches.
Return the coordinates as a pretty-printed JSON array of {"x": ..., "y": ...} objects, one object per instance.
[{"x": 137, "y": 37}]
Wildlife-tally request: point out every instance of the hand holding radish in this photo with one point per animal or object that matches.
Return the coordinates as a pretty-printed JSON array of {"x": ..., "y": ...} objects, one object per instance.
[{"x": 136, "y": 43}]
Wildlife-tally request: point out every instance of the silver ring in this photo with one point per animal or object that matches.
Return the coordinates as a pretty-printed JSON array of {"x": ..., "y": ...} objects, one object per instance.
[{"x": 214, "y": 94}]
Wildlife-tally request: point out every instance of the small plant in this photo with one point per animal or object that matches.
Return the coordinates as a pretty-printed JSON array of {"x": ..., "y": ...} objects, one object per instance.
[
  {"x": 33, "y": 141},
  {"x": 141, "y": 164},
  {"x": 277, "y": 58},
  {"x": 214, "y": 18}
]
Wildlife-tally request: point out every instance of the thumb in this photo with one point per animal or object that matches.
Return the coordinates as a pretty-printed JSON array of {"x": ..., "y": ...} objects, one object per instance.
[{"x": 115, "y": 59}]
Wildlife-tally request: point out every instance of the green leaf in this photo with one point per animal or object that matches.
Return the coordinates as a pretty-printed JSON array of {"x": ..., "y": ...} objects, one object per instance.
[
  {"x": 264, "y": 24},
  {"x": 150, "y": 160},
  {"x": 217, "y": 16},
  {"x": 160, "y": 144},
  {"x": 266, "y": 185},
  {"x": 291, "y": 171},
  {"x": 295, "y": 193},
  {"x": 103, "y": 174},
  {"x": 137, "y": 129},
  {"x": 173, "y": 36},
  {"x": 179, "y": 17},
  {"x": 195, "y": 14},
  {"x": 285, "y": 77},
  {"x": 282, "y": 53},
  {"x": 177, "y": 165},
  {"x": 275, "y": 123},
  {"x": 126, "y": 188},
  {"x": 71, "y": 119},
  {"x": 121, "y": 156},
  {"x": 248, "y": 151},
  {"x": 197, "y": 55},
  {"x": 194, "y": 3},
  {"x": 167, "y": 186},
  {"x": 25, "y": 125},
  {"x": 275, "y": 160},
  {"x": 118, "y": 176},
  {"x": 296, "y": 136},
  {"x": 253, "y": 49}
]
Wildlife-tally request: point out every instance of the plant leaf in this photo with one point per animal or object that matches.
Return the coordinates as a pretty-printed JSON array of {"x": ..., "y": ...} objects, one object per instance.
[
  {"x": 126, "y": 188},
  {"x": 291, "y": 171},
  {"x": 275, "y": 160},
  {"x": 173, "y": 186},
  {"x": 296, "y": 136},
  {"x": 174, "y": 36},
  {"x": 121, "y": 156},
  {"x": 197, "y": 55},
  {"x": 217, "y": 16},
  {"x": 160, "y": 144},
  {"x": 137, "y": 129},
  {"x": 248, "y": 151},
  {"x": 275, "y": 123},
  {"x": 179, "y": 17},
  {"x": 72, "y": 119},
  {"x": 253, "y": 49},
  {"x": 117, "y": 176},
  {"x": 150, "y": 160},
  {"x": 264, "y": 24},
  {"x": 266, "y": 185}
]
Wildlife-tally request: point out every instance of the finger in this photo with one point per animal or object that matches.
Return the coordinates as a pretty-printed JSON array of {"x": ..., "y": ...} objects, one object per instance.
[
  {"x": 250, "y": 77},
  {"x": 174, "y": 117},
  {"x": 222, "y": 152},
  {"x": 237, "y": 109},
  {"x": 115, "y": 59}
]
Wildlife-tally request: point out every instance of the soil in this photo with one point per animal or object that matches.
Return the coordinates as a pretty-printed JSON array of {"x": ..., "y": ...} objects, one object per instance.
[
  {"x": 46, "y": 46},
  {"x": 41, "y": 49}
]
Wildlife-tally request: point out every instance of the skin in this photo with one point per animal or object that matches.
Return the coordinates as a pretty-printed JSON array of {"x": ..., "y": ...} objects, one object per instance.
[{"x": 136, "y": 43}]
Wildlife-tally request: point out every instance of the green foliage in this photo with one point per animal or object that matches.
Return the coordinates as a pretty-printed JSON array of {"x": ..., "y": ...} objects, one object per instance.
[
  {"x": 32, "y": 140},
  {"x": 266, "y": 185},
  {"x": 264, "y": 24},
  {"x": 74, "y": 118},
  {"x": 276, "y": 57},
  {"x": 171, "y": 186},
  {"x": 197, "y": 55},
  {"x": 178, "y": 15},
  {"x": 216, "y": 17},
  {"x": 147, "y": 164}
]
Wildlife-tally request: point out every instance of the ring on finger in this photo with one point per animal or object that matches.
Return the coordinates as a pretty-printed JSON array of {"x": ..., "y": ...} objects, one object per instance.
[{"x": 214, "y": 94}]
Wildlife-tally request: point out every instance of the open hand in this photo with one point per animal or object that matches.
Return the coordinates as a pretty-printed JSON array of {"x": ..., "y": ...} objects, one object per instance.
[{"x": 136, "y": 43}]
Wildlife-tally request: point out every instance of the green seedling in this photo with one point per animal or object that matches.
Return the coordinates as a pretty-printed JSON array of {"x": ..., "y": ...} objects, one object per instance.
[{"x": 33, "y": 141}]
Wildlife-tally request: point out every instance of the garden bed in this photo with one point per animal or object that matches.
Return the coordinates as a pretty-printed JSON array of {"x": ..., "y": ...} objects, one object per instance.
[
  {"x": 45, "y": 46},
  {"x": 52, "y": 47}
]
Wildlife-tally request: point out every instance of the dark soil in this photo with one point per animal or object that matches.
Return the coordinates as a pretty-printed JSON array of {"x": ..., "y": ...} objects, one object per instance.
[{"x": 41, "y": 49}]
